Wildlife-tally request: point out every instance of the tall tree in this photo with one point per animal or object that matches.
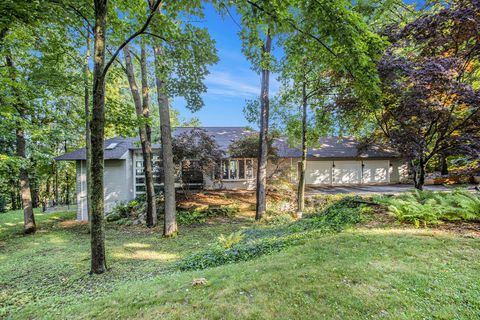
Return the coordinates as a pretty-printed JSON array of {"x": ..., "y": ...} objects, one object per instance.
[
  {"x": 261, "y": 204},
  {"x": 182, "y": 53},
  {"x": 170, "y": 224},
  {"x": 324, "y": 51},
  {"x": 98, "y": 262},
  {"x": 429, "y": 74},
  {"x": 28, "y": 217},
  {"x": 28, "y": 81},
  {"x": 142, "y": 105},
  {"x": 258, "y": 29}
]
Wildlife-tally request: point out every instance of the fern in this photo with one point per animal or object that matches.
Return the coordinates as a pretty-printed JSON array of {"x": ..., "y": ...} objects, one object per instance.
[{"x": 428, "y": 207}]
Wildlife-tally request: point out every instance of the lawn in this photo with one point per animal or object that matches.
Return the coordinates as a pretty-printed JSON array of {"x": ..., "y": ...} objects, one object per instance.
[{"x": 382, "y": 272}]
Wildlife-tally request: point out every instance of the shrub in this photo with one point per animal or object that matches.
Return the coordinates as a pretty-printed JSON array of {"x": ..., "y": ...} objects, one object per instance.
[
  {"x": 134, "y": 210},
  {"x": 281, "y": 219},
  {"x": 189, "y": 217},
  {"x": 186, "y": 217},
  {"x": 261, "y": 240},
  {"x": 230, "y": 240},
  {"x": 322, "y": 201},
  {"x": 274, "y": 218},
  {"x": 428, "y": 207}
]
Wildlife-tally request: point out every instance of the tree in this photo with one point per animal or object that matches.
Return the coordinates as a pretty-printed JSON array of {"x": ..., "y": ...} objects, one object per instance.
[
  {"x": 182, "y": 53},
  {"x": 247, "y": 146},
  {"x": 142, "y": 105},
  {"x": 98, "y": 264},
  {"x": 258, "y": 29},
  {"x": 197, "y": 145},
  {"x": 431, "y": 106},
  {"x": 34, "y": 68},
  {"x": 323, "y": 52}
]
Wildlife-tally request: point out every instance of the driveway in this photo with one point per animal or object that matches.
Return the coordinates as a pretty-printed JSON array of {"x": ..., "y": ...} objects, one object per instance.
[{"x": 377, "y": 189}]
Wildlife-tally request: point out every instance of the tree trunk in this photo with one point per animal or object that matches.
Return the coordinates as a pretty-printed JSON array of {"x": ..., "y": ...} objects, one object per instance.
[
  {"x": 26, "y": 197},
  {"x": 47, "y": 190},
  {"x": 170, "y": 224},
  {"x": 98, "y": 263},
  {"x": 443, "y": 165},
  {"x": 13, "y": 194},
  {"x": 34, "y": 186},
  {"x": 147, "y": 144},
  {"x": 142, "y": 111},
  {"x": 56, "y": 185},
  {"x": 301, "y": 180},
  {"x": 28, "y": 217},
  {"x": 261, "y": 200},
  {"x": 419, "y": 174},
  {"x": 88, "y": 142}
]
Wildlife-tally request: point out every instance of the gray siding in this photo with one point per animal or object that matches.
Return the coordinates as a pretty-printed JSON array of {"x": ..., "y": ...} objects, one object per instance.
[{"x": 118, "y": 185}]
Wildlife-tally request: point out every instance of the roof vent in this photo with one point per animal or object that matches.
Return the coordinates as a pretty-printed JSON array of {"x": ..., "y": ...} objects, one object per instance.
[{"x": 111, "y": 146}]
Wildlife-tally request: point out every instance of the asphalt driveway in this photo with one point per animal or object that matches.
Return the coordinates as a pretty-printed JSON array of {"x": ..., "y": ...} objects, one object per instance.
[{"x": 375, "y": 189}]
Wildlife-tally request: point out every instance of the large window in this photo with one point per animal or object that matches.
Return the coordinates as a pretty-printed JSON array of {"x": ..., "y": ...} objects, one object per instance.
[
  {"x": 237, "y": 169},
  {"x": 140, "y": 176}
]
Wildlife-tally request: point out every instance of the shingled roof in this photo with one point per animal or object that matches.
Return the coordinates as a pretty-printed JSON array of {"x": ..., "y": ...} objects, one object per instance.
[
  {"x": 118, "y": 150},
  {"x": 329, "y": 147},
  {"x": 333, "y": 147}
]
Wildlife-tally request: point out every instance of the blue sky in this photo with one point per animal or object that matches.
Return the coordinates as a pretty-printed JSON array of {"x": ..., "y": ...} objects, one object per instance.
[{"x": 231, "y": 81}]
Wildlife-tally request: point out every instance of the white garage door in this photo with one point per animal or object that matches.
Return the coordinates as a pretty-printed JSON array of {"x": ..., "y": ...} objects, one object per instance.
[
  {"x": 318, "y": 172},
  {"x": 376, "y": 171},
  {"x": 347, "y": 172}
]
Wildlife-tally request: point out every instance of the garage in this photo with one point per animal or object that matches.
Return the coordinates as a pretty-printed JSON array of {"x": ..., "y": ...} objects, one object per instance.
[
  {"x": 376, "y": 171},
  {"x": 346, "y": 172},
  {"x": 318, "y": 172}
]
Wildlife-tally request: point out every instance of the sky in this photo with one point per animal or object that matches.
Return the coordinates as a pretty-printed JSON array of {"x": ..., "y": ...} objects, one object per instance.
[{"x": 231, "y": 81}]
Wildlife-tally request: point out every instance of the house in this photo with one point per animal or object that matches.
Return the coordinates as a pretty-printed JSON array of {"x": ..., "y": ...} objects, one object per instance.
[{"x": 336, "y": 161}]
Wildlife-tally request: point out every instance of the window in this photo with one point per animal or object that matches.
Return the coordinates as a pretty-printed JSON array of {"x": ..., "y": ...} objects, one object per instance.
[
  {"x": 237, "y": 169},
  {"x": 111, "y": 146},
  {"x": 140, "y": 175}
]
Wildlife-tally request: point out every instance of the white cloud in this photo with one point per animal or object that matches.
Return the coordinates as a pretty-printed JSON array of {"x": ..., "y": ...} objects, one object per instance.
[{"x": 226, "y": 84}]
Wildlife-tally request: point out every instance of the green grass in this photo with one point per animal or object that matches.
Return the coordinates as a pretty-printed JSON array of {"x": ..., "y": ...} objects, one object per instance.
[
  {"x": 357, "y": 274},
  {"x": 54, "y": 263}
]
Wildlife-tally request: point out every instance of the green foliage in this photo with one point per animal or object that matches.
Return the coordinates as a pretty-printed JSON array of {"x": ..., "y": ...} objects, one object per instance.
[
  {"x": 233, "y": 238},
  {"x": 262, "y": 240},
  {"x": 247, "y": 146},
  {"x": 187, "y": 217},
  {"x": 48, "y": 279},
  {"x": 277, "y": 219},
  {"x": 125, "y": 210},
  {"x": 428, "y": 207}
]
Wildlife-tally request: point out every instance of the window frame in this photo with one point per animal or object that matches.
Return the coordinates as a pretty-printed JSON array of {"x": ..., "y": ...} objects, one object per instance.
[
  {"x": 245, "y": 169},
  {"x": 138, "y": 158}
]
